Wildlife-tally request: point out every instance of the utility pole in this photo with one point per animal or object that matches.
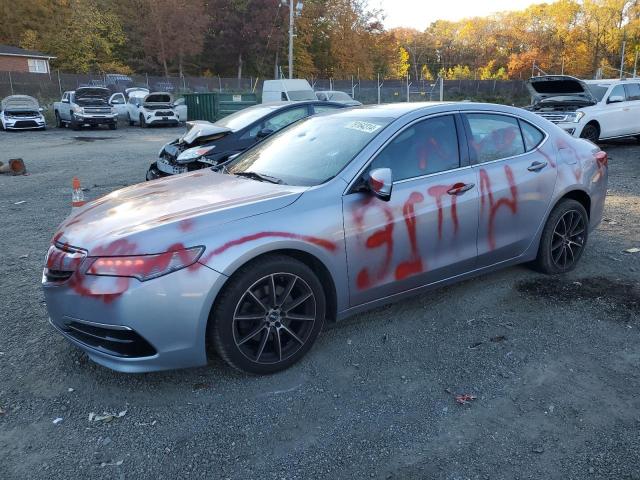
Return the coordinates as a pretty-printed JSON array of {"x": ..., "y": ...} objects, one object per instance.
[
  {"x": 290, "y": 38},
  {"x": 624, "y": 44}
]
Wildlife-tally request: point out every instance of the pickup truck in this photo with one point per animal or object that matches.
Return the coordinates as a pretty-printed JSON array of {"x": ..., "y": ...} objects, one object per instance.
[
  {"x": 85, "y": 106},
  {"x": 591, "y": 109}
]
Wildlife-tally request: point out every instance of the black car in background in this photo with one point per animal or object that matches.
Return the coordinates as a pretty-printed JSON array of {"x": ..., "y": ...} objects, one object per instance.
[{"x": 207, "y": 144}]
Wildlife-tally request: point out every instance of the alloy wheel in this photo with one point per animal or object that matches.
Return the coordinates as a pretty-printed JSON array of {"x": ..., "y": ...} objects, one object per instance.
[
  {"x": 568, "y": 239},
  {"x": 274, "y": 318}
]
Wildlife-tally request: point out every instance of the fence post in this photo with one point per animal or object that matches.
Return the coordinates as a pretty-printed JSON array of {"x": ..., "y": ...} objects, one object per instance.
[
  {"x": 10, "y": 83},
  {"x": 441, "y": 88},
  {"x": 378, "y": 83},
  {"x": 219, "y": 84},
  {"x": 59, "y": 83},
  {"x": 146, "y": 76}
]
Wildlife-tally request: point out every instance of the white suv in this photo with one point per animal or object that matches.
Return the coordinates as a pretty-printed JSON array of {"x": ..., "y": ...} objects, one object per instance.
[
  {"x": 151, "y": 109},
  {"x": 591, "y": 109}
]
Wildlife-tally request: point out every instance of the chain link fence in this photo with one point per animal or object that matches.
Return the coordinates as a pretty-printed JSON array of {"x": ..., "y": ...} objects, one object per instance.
[{"x": 48, "y": 88}]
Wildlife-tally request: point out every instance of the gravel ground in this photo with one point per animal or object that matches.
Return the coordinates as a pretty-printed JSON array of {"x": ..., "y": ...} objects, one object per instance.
[{"x": 554, "y": 363}]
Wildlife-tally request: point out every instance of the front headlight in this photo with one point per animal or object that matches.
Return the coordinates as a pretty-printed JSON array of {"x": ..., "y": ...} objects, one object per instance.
[
  {"x": 577, "y": 116},
  {"x": 77, "y": 110},
  {"x": 193, "y": 153}
]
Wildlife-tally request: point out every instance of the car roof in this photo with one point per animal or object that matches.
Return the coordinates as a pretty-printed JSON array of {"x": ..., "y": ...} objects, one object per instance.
[{"x": 611, "y": 81}]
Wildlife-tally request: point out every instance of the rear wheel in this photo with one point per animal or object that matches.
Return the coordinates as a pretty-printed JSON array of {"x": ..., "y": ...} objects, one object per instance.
[
  {"x": 268, "y": 316},
  {"x": 563, "y": 238},
  {"x": 590, "y": 132}
]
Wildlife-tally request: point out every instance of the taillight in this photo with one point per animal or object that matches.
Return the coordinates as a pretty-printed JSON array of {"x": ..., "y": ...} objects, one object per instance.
[
  {"x": 602, "y": 158},
  {"x": 145, "y": 267}
]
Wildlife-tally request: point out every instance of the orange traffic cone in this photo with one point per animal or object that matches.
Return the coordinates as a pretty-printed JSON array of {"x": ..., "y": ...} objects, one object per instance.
[{"x": 77, "y": 197}]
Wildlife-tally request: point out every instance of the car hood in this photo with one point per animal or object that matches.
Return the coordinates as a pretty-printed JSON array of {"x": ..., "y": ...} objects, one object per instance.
[
  {"x": 199, "y": 129},
  {"x": 547, "y": 86},
  {"x": 19, "y": 102},
  {"x": 92, "y": 93},
  {"x": 187, "y": 208}
]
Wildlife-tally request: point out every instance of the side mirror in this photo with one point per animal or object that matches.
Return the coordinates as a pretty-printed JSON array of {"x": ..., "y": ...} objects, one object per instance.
[
  {"x": 41, "y": 109},
  {"x": 615, "y": 99},
  {"x": 380, "y": 183},
  {"x": 265, "y": 132}
]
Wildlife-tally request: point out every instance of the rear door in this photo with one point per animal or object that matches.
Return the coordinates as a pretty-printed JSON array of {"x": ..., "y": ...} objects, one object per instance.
[
  {"x": 615, "y": 115},
  {"x": 515, "y": 179},
  {"x": 632, "y": 90},
  {"x": 427, "y": 230}
]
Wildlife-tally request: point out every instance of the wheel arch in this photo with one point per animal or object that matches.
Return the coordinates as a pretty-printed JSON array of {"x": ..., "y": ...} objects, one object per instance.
[
  {"x": 310, "y": 260},
  {"x": 580, "y": 196},
  {"x": 595, "y": 123}
]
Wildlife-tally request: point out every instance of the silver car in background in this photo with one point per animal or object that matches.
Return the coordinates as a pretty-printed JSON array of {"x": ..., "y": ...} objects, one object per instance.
[{"x": 336, "y": 214}]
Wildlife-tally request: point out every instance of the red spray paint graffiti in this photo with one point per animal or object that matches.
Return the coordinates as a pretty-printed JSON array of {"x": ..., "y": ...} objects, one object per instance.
[
  {"x": 439, "y": 191},
  {"x": 414, "y": 265},
  {"x": 486, "y": 194}
]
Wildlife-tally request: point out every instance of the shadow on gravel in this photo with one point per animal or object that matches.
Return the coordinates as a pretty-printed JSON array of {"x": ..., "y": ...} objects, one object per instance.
[
  {"x": 609, "y": 292},
  {"x": 93, "y": 139}
]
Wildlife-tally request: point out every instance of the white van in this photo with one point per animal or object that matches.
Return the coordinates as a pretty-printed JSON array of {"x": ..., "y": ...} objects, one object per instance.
[{"x": 287, "y": 89}]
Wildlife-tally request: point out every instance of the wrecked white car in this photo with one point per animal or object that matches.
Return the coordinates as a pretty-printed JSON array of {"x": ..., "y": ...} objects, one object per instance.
[
  {"x": 153, "y": 109},
  {"x": 21, "y": 112}
]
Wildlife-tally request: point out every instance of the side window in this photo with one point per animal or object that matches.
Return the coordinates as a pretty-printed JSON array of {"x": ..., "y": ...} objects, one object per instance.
[
  {"x": 531, "y": 135},
  {"x": 324, "y": 108},
  {"x": 283, "y": 97},
  {"x": 494, "y": 136},
  {"x": 633, "y": 91},
  {"x": 426, "y": 147},
  {"x": 117, "y": 99},
  {"x": 278, "y": 121},
  {"x": 618, "y": 91}
]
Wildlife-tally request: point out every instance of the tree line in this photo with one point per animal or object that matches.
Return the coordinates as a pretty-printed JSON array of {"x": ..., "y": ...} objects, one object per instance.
[{"x": 334, "y": 39}]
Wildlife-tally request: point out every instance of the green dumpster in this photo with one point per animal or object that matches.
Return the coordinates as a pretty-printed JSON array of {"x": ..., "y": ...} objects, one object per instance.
[{"x": 215, "y": 105}]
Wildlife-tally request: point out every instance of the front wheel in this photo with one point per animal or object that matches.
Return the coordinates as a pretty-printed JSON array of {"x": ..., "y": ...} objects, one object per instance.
[
  {"x": 563, "y": 238},
  {"x": 113, "y": 126},
  {"x": 268, "y": 316},
  {"x": 590, "y": 132},
  {"x": 143, "y": 124},
  {"x": 131, "y": 122},
  {"x": 59, "y": 123}
]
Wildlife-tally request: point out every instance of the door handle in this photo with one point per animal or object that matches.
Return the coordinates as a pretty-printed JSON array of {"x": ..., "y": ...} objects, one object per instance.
[
  {"x": 535, "y": 166},
  {"x": 460, "y": 188}
]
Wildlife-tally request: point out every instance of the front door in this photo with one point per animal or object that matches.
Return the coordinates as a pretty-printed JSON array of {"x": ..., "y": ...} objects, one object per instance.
[
  {"x": 427, "y": 231},
  {"x": 515, "y": 171}
]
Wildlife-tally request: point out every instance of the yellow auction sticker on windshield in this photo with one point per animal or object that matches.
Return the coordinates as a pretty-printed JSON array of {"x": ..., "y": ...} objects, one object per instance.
[{"x": 366, "y": 127}]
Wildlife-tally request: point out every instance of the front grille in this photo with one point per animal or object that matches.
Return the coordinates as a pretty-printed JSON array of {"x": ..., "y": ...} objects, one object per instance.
[
  {"x": 25, "y": 124},
  {"x": 164, "y": 114},
  {"x": 554, "y": 117},
  {"x": 61, "y": 262},
  {"x": 57, "y": 275},
  {"x": 118, "y": 342},
  {"x": 102, "y": 110}
]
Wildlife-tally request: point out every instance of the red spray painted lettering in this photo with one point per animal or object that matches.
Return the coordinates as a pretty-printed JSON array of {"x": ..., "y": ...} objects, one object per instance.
[
  {"x": 486, "y": 193},
  {"x": 414, "y": 265},
  {"x": 438, "y": 191}
]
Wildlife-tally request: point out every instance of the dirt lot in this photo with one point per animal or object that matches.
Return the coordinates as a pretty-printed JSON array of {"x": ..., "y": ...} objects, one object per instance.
[{"x": 554, "y": 363}]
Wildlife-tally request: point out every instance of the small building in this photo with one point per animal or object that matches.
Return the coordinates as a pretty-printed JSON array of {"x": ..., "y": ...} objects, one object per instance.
[{"x": 15, "y": 59}]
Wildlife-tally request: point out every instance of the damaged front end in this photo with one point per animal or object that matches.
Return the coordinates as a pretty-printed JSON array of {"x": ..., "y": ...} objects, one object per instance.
[
  {"x": 559, "y": 97},
  {"x": 193, "y": 151}
]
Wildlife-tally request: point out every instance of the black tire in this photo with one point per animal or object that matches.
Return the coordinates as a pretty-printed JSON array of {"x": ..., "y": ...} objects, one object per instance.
[
  {"x": 113, "y": 126},
  {"x": 143, "y": 124},
  {"x": 564, "y": 238},
  {"x": 276, "y": 336},
  {"x": 59, "y": 123},
  {"x": 590, "y": 132},
  {"x": 74, "y": 125},
  {"x": 153, "y": 173},
  {"x": 131, "y": 122}
]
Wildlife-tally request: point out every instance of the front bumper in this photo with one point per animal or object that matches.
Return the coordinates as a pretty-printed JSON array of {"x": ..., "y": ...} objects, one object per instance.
[
  {"x": 133, "y": 326},
  {"x": 161, "y": 121},
  {"x": 572, "y": 128},
  {"x": 102, "y": 120},
  {"x": 13, "y": 123}
]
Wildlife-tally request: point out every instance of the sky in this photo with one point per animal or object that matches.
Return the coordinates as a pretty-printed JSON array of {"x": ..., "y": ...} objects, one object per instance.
[{"x": 420, "y": 13}]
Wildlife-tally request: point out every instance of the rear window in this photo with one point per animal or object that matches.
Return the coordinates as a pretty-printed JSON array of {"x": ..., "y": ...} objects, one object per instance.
[
  {"x": 531, "y": 135},
  {"x": 633, "y": 91},
  {"x": 301, "y": 95},
  {"x": 494, "y": 136}
]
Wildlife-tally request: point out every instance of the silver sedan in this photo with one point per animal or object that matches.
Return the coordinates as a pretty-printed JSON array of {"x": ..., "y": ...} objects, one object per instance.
[{"x": 336, "y": 214}]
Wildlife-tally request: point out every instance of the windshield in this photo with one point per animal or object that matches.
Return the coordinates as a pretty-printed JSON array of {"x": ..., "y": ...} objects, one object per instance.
[
  {"x": 301, "y": 95},
  {"x": 598, "y": 91},
  {"x": 311, "y": 151},
  {"x": 239, "y": 120}
]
